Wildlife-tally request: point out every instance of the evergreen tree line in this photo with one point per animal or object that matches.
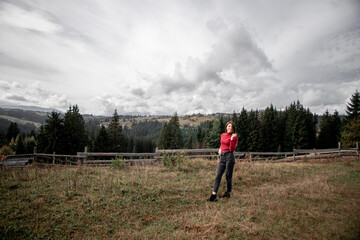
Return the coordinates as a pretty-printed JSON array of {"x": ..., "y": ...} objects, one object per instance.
[
  {"x": 149, "y": 129},
  {"x": 170, "y": 135},
  {"x": 63, "y": 135},
  {"x": 17, "y": 141},
  {"x": 69, "y": 135},
  {"x": 113, "y": 139},
  {"x": 271, "y": 130},
  {"x": 266, "y": 130}
]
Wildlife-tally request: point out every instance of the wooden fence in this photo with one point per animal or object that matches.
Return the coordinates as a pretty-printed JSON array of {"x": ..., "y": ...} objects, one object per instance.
[{"x": 105, "y": 159}]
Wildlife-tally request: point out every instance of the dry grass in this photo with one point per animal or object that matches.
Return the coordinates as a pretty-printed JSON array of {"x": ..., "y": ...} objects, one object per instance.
[{"x": 308, "y": 200}]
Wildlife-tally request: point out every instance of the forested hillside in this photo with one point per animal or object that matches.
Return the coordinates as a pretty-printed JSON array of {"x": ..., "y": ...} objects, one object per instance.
[{"x": 26, "y": 120}]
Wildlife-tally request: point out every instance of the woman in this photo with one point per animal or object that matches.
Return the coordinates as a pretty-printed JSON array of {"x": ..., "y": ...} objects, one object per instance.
[{"x": 228, "y": 142}]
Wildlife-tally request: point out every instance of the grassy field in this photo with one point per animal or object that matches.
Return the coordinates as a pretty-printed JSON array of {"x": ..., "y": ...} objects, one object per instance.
[{"x": 302, "y": 200}]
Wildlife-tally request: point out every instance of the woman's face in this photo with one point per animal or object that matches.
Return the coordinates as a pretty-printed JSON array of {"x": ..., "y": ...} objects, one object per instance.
[{"x": 229, "y": 128}]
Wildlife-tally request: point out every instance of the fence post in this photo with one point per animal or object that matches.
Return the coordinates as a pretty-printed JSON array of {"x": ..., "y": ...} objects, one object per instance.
[
  {"x": 339, "y": 146},
  {"x": 294, "y": 154},
  {"x": 157, "y": 155},
  {"x": 53, "y": 162},
  {"x": 35, "y": 157},
  {"x": 357, "y": 149},
  {"x": 79, "y": 160},
  {"x": 86, "y": 154},
  {"x": 82, "y": 156}
]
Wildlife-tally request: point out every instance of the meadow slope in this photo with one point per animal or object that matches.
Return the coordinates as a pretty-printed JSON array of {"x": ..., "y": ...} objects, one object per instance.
[{"x": 302, "y": 200}]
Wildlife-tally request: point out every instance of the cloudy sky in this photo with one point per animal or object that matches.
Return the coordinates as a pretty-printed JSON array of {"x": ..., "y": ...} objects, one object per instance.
[{"x": 184, "y": 56}]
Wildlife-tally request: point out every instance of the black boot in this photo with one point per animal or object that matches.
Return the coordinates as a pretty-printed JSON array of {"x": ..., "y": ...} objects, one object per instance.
[
  {"x": 225, "y": 195},
  {"x": 212, "y": 198}
]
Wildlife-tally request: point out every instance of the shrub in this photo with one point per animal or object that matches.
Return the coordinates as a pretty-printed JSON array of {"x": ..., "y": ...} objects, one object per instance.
[
  {"x": 118, "y": 163},
  {"x": 172, "y": 160},
  {"x": 6, "y": 150},
  {"x": 351, "y": 134}
]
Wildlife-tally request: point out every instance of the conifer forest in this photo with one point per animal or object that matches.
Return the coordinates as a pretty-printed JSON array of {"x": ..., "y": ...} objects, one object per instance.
[{"x": 267, "y": 130}]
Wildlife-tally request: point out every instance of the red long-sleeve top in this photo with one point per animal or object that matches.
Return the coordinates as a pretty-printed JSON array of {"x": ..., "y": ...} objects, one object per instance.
[{"x": 226, "y": 143}]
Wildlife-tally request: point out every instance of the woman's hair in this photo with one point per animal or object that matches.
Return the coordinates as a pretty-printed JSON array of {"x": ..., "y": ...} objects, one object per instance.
[{"x": 233, "y": 126}]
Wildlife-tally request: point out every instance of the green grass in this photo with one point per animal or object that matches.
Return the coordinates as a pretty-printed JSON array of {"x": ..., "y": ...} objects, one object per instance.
[{"x": 303, "y": 200}]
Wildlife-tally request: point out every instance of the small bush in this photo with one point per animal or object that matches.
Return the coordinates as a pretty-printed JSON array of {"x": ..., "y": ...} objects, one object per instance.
[
  {"x": 118, "y": 163},
  {"x": 172, "y": 160},
  {"x": 6, "y": 150}
]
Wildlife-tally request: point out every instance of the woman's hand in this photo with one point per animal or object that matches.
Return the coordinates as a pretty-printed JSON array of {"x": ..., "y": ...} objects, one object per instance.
[
  {"x": 219, "y": 151},
  {"x": 234, "y": 135}
]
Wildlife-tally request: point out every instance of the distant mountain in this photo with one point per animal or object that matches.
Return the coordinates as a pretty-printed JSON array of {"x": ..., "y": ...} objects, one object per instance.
[
  {"x": 27, "y": 120},
  {"x": 30, "y": 108}
]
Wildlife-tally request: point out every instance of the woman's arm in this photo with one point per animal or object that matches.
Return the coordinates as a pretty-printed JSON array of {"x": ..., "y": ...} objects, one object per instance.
[{"x": 233, "y": 142}]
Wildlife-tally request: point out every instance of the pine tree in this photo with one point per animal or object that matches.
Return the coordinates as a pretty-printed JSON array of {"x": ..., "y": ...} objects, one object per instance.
[
  {"x": 269, "y": 138},
  {"x": 300, "y": 127},
  {"x": 351, "y": 133},
  {"x": 330, "y": 131},
  {"x": 101, "y": 143},
  {"x": 75, "y": 134},
  {"x": 213, "y": 135},
  {"x": 311, "y": 122},
  {"x": 353, "y": 107},
  {"x": 20, "y": 148},
  {"x": 176, "y": 138},
  {"x": 221, "y": 124},
  {"x": 130, "y": 144},
  {"x": 50, "y": 138},
  {"x": 189, "y": 143},
  {"x": 254, "y": 131},
  {"x": 200, "y": 135},
  {"x": 337, "y": 127},
  {"x": 116, "y": 137},
  {"x": 290, "y": 131},
  {"x": 242, "y": 128},
  {"x": 325, "y": 131},
  {"x": 12, "y": 131},
  {"x": 234, "y": 118},
  {"x": 170, "y": 135},
  {"x": 29, "y": 143},
  {"x": 164, "y": 138},
  {"x": 41, "y": 142},
  {"x": 3, "y": 140}
]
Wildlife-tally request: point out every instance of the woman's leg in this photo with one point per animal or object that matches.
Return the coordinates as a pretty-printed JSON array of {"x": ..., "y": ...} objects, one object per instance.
[
  {"x": 229, "y": 172},
  {"x": 219, "y": 172}
]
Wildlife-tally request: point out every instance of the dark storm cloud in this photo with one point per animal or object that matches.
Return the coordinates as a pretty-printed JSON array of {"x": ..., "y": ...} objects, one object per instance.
[
  {"x": 138, "y": 92},
  {"x": 176, "y": 83},
  {"x": 237, "y": 49},
  {"x": 17, "y": 98}
]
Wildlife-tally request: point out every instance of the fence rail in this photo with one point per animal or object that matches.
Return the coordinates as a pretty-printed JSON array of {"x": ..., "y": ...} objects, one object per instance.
[{"x": 105, "y": 159}]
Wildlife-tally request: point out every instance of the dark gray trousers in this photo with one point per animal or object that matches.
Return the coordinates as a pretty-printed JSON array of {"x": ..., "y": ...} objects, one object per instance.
[{"x": 227, "y": 161}]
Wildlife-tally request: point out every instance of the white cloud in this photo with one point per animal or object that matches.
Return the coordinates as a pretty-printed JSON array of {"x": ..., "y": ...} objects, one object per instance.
[
  {"x": 14, "y": 16},
  {"x": 31, "y": 95}
]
